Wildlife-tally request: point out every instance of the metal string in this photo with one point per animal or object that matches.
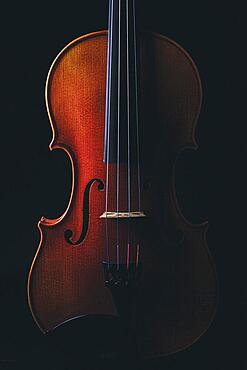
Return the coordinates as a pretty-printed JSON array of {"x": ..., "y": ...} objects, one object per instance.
[
  {"x": 108, "y": 116},
  {"x": 137, "y": 114},
  {"x": 128, "y": 120},
  {"x": 137, "y": 130},
  {"x": 108, "y": 119},
  {"x": 118, "y": 129}
]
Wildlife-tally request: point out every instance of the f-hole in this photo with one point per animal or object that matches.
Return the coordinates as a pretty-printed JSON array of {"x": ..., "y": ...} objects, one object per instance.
[{"x": 68, "y": 234}]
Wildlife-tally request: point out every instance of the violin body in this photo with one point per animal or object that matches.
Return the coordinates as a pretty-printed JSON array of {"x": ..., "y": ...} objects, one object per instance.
[{"x": 177, "y": 292}]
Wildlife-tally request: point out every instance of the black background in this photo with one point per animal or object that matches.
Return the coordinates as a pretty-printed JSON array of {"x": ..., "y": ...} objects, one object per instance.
[{"x": 210, "y": 182}]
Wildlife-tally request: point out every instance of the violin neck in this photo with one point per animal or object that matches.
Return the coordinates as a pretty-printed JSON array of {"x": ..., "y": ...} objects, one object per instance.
[{"x": 121, "y": 120}]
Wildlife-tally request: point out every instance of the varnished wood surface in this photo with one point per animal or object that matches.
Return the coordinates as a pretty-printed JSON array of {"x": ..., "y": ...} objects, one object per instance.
[{"x": 177, "y": 295}]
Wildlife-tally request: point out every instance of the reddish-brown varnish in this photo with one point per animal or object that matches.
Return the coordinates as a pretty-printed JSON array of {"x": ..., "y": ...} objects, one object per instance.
[{"x": 176, "y": 297}]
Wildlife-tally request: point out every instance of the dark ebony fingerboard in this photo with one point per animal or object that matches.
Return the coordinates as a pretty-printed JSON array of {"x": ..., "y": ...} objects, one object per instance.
[{"x": 121, "y": 103}]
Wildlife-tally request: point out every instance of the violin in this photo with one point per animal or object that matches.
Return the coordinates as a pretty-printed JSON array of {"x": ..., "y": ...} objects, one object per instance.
[{"x": 123, "y": 104}]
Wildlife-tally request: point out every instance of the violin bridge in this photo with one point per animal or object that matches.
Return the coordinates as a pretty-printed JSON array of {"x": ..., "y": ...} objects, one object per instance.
[{"x": 123, "y": 215}]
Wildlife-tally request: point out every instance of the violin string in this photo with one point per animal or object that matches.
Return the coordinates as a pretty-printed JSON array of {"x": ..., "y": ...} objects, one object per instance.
[
  {"x": 137, "y": 133},
  {"x": 137, "y": 114},
  {"x": 108, "y": 118},
  {"x": 118, "y": 129},
  {"x": 128, "y": 120}
]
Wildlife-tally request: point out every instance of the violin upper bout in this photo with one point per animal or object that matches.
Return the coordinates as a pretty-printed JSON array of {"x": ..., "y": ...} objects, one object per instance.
[
  {"x": 75, "y": 102},
  {"x": 176, "y": 88}
]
